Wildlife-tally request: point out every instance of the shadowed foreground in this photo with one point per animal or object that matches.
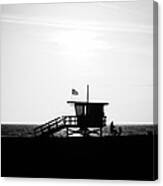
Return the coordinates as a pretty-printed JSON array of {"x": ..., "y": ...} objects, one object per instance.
[{"x": 123, "y": 157}]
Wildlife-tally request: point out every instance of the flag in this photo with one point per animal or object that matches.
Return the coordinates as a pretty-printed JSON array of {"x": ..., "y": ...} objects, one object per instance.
[{"x": 75, "y": 92}]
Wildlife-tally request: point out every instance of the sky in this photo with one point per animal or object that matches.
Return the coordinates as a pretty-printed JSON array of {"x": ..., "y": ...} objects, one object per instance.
[{"x": 49, "y": 49}]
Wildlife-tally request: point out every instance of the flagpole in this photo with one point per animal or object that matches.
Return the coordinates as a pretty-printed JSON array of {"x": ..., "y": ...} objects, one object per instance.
[{"x": 87, "y": 93}]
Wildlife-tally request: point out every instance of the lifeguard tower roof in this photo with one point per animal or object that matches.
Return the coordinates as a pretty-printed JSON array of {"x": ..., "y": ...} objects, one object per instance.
[{"x": 88, "y": 103}]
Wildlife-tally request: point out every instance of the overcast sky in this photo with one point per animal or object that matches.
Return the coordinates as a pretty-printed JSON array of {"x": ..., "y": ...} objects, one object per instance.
[{"x": 48, "y": 49}]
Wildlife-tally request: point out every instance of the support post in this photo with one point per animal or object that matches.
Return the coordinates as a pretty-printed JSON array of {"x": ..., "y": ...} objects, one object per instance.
[
  {"x": 100, "y": 131},
  {"x": 87, "y": 93},
  {"x": 67, "y": 131}
]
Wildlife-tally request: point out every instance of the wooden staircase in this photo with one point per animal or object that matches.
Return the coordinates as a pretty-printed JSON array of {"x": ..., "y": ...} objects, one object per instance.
[
  {"x": 55, "y": 125},
  {"x": 47, "y": 129}
]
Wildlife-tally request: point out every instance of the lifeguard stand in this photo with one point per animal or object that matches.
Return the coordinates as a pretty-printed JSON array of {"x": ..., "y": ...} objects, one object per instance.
[
  {"x": 89, "y": 119},
  {"x": 90, "y": 116}
]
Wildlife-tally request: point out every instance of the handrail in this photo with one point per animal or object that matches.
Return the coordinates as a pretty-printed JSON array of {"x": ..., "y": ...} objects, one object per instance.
[
  {"x": 47, "y": 127},
  {"x": 70, "y": 120},
  {"x": 47, "y": 123}
]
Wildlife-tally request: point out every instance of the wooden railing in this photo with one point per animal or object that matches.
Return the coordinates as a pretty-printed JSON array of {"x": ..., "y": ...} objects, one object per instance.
[
  {"x": 47, "y": 127},
  {"x": 70, "y": 120},
  {"x": 104, "y": 120}
]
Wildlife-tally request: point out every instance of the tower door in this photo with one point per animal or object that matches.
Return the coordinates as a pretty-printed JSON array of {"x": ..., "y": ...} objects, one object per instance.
[{"x": 81, "y": 115}]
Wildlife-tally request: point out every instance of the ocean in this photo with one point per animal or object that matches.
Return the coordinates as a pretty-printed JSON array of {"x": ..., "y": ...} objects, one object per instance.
[{"x": 24, "y": 130}]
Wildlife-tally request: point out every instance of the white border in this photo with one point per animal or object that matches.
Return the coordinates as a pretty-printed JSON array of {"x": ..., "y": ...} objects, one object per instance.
[
  {"x": 70, "y": 182},
  {"x": 51, "y": 1}
]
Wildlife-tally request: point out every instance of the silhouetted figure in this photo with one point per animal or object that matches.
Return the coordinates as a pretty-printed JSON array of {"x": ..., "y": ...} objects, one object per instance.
[
  {"x": 114, "y": 131},
  {"x": 112, "y": 127}
]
